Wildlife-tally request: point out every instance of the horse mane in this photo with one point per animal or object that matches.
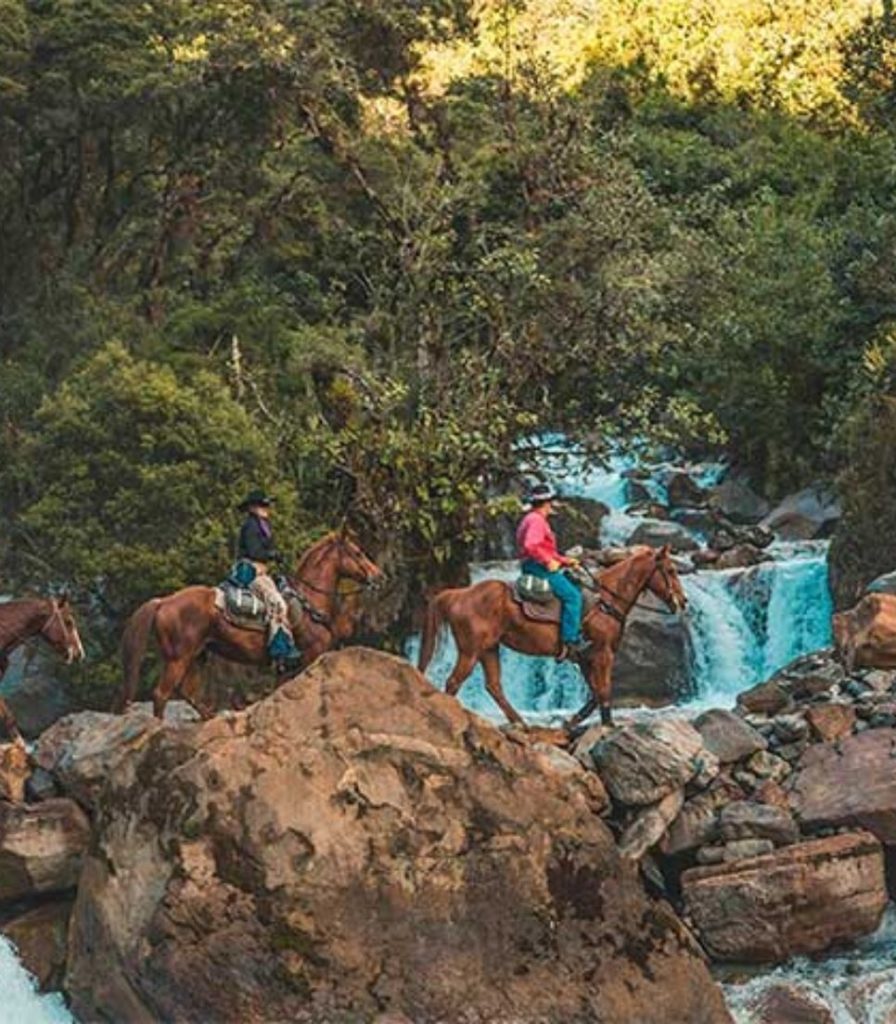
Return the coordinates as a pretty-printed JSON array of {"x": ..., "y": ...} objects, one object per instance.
[{"x": 313, "y": 553}]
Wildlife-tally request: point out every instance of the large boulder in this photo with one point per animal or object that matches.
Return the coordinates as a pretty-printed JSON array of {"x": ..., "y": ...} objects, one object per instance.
[
  {"x": 652, "y": 665},
  {"x": 738, "y": 501},
  {"x": 728, "y": 736},
  {"x": 82, "y": 750},
  {"x": 810, "y": 513},
  {"x": 848, "y": 783},
  {"x": 801, "y": 899},
  {"x": 658, "y": 534},
  {"x": 865, "y": 636},
  {"x": 359, "y": 844},
  {"x": 682, "y": 490},
  {"x": 41, "y": 847},
  {"x": 643, "y": 762}
]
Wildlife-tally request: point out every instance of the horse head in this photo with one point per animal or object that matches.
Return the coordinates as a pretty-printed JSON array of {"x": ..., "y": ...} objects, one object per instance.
[
  {"x": 61, "y": 631},
  {"x": 665, "y": 582},
  {"x": 354, "y": 564}
]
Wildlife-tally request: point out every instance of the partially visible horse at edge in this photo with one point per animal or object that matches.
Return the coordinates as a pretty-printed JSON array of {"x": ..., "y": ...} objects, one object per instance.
[
  {"x": 328, "y": 580},
  {"x": 487, "y": 614},
  {"x": 49, "y": 618}
]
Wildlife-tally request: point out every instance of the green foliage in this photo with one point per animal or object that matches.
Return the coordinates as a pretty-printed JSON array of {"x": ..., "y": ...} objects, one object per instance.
[
  {"x": 131, "y": 478},
  {"x": 394, "y": 239}
]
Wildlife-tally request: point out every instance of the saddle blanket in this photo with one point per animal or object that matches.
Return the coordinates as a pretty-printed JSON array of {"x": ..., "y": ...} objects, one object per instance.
[{"x": 241, "y": 607}]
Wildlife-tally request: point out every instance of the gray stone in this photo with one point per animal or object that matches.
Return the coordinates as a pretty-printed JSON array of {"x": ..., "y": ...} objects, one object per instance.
[
  {"x": 743, "y": 849},
  {"x": 656, "y": 535},
  {"x": 710, "y": 854},
  {"x": 650, "y": 825},
  {"x": 738, "y": 501},
  {"x": 807, "y": 514},
  {"x": 745, "y": 819},
  {"x": 789, "y": 728},
  {"x": 768, "y": 766},
  {"x": 728, "y": 736},
  {"x": 643, "y": 762}
]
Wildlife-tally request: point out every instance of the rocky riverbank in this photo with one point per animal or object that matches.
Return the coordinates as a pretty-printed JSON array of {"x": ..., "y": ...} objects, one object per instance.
[{"x": 358, "y": 846}]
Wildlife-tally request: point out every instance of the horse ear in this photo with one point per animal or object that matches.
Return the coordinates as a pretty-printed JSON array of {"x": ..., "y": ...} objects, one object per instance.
[
  {"x": 62, "y": 600},
  {"x": 664, "y": 551}
]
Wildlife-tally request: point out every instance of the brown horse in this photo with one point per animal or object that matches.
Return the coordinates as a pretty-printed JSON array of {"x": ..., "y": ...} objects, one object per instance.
[
  {"x": 49, "y": 618},
  {"x": 329, "y": 578},
  {"x": 485, "y": 615}
]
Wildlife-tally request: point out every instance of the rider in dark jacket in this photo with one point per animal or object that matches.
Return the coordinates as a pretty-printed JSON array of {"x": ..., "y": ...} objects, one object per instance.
[{"x": 256, "y": 545}]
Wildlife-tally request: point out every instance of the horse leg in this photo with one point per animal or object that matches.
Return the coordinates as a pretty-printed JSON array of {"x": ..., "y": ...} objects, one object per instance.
[
  {"x": 599, "y": 682},
  {"x": 191, "y": 690},
  {"x": 174, "y": 671},
  {"x": 464, "y": 665},
  {"x": 491, "y": 665}
]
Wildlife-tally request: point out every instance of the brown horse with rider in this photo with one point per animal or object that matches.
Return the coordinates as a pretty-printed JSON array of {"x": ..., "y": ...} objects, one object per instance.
[
  {"x": 488, "y": 614},
  {"x": 327, "y": 584}
]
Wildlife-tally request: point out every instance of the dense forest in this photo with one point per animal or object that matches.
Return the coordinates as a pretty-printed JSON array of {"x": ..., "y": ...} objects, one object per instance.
[{"x": 357, "y": 250}]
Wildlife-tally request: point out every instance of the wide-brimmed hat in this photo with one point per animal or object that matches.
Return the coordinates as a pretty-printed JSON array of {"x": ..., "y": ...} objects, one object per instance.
[
  {"x": 256, "y": 497},
  {"x": 540, "y": 494}
]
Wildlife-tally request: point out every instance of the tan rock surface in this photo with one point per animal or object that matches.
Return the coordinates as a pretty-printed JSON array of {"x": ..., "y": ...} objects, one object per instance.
[
  {"x": 41, "y": 847},
  {"x": 849, "y": 783},
  {"x": 358, "y": 844},
  {"x": 798, "y": 900}
]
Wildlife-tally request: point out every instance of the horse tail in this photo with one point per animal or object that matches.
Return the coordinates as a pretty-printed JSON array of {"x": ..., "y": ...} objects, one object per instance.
[
  {"x": 133, "y": 647},
  {"x": 432, "y": 624}
]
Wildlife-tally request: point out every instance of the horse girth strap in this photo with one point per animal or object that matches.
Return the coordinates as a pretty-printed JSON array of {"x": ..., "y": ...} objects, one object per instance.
[{"x": 601, "y": 605}]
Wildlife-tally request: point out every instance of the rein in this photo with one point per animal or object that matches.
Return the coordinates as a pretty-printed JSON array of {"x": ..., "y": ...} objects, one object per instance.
[
  {"x": 600, "y": 604},
  {"x": 337, "y": 595}
]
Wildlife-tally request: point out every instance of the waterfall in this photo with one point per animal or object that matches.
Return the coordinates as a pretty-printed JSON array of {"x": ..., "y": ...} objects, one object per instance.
[
  {"x": 20, "y": 1000},
  {"x": 746, "y": 624}
]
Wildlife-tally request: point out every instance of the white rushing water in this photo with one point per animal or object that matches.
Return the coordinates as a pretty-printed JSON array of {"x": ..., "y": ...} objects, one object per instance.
[
  {"x": 20, "y": 1002},
  {"x": 856, "y": 987}
]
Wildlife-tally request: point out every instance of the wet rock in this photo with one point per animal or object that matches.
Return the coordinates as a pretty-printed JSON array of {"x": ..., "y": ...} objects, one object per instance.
[
  {"x": 884, "y": 716},
  {"x": 767, "y": 698},
  {"x": 738, "y": 501},
  {"x": 811, "y": 675},
  {"x": 849, "y": 783},
  {"x": 801, "y": 899},
  {"x": 830, "y": 722},
  {"x": 792, "y": 752},
  {"x": 879, "y": 680},
  {"x": 359, "y": 841},
  {"x": 41, "y": 786},
  {"x": 747, "y": 819},
  {"x": 40, "y": 936},
  {"x": 683, "y": 492},
  {"x": 705, "y": 557},
  {"x": 789, "y": 728},
  {"x": 652, "y": 665},
  {"x": 15, "y": 769},
  {"x": 728, "y": 736},
  {"x": 741, "y": 556},
  {"x": 657, "y": 535},
  {"x": 81, "y": 751},
  {"x": 785, "y": 1003},
  {"x": 743, "y": 849},
  {"x": 41, "y": 847},
  {"x": 650, "y": 825},
  {"x": 806, "y": 515},
  {"x": 643, "y": 762},
  {"x": 768, "y": 766},
  {"x": 637, "y": 493}
]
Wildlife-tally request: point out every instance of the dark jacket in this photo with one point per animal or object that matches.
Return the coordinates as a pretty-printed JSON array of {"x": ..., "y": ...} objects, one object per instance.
[{"x": 255, "y": 542}]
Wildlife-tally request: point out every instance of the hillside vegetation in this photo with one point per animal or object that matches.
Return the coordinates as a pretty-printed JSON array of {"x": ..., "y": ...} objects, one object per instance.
[{"x": 297, "y": 245}]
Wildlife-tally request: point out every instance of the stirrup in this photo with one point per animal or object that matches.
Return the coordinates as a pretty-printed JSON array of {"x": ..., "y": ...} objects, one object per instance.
[{"x": 574, "y": 651}]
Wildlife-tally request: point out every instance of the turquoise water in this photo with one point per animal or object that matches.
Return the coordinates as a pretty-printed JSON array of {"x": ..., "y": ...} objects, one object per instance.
[{"x": 20, "y": 1002}]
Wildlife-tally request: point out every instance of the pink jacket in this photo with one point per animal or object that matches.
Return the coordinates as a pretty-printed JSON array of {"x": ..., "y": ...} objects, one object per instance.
[{"x": 535, "y": 539}]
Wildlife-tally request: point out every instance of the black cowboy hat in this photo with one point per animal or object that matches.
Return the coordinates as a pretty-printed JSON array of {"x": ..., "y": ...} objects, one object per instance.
[
  {"x": 256, "y": 497},
  {"x": 540, "y": 494}
]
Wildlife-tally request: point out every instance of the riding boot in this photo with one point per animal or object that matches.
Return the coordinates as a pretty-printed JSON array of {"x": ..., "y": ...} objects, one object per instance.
[
  {"x": 283, "y": 652},
  {"x": 574, "y": 650}
]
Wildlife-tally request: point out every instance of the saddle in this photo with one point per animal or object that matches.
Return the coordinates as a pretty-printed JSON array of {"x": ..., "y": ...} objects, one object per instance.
[{"x": 540, "y": 608}]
